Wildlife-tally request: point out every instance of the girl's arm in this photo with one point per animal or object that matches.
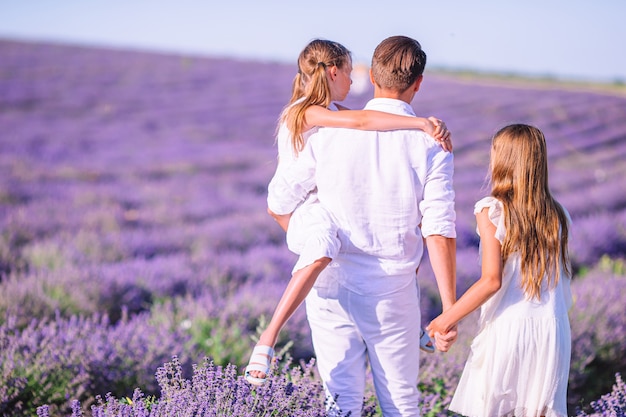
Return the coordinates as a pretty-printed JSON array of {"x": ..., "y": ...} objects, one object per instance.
[
  {"x": 376, "y": 120},
  {"x": 281, "y": 219},
  {"x": 490, "y": 279}
]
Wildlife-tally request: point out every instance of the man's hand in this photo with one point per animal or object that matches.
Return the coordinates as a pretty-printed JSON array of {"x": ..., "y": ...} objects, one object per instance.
[
  {"x": 444, "y": 341},
  {"x": 442, "y": 333}
]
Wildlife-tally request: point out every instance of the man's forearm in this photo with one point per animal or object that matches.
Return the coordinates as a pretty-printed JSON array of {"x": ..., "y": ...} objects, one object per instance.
[{"x": 442, "y": 255}]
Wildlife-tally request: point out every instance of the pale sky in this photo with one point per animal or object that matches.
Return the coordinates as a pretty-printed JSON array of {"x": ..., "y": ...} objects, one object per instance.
[{"x": 571, "y": 39}]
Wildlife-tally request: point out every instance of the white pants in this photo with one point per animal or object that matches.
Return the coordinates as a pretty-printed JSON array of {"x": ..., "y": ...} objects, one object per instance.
[{"x": 348, "y": 328}]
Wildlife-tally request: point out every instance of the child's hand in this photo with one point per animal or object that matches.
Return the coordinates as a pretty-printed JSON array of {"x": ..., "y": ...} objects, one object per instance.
[
  {"x": 444, "y": 342},
  {"x": 444, "y": 338},
  {"x": 441, "y": 133}
]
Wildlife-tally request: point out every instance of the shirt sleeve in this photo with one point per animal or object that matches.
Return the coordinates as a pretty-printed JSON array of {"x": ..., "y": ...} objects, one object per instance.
[
  {"x": 437, "y": 205},
  {"x": 290, "y": 187}
]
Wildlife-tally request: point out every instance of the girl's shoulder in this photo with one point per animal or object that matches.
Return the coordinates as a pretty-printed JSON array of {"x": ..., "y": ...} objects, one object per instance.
[
  {"x": 495, "y": 213},
  {"x": 488, "y": 202}
]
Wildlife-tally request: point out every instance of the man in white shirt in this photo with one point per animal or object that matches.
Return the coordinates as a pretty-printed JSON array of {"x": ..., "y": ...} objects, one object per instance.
[{"x": 386, "y": 192}]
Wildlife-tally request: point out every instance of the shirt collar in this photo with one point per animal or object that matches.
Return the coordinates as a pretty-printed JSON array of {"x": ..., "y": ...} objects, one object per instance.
[{"x": 390, "y": 105}]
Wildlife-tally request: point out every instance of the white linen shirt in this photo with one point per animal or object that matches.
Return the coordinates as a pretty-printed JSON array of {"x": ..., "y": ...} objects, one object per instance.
[{"x": 379, "y": 187}]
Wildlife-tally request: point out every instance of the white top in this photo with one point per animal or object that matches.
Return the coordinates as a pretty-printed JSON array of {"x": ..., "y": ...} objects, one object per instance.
[
  {"x": 519, "y": 360},
  {"x": 379, "y": 187},
  {"x": 286, "y": 154},
  {"x": 311, "y": 233},
  {"x": 510, "y": 300}
]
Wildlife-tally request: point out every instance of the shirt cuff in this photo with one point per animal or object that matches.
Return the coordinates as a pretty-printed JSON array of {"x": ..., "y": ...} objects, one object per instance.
[{"x": 448, "y": 230}]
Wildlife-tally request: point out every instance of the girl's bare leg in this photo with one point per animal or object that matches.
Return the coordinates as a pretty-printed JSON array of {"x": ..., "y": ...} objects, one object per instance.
[{"x": 299, "y": 286}]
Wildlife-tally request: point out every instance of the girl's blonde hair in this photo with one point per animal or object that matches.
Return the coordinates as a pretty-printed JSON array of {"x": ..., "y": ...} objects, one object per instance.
[
  {"x": 310, "y": 86},
  {"x": 536, "y": 224}
]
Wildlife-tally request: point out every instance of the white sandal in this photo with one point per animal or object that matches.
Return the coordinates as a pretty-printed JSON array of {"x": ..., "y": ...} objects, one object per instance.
[
  {"x": 260, "y": 360},
  {"x": 426, "y": 343}
]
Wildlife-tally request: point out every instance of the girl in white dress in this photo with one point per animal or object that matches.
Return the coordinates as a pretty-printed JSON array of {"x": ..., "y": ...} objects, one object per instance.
[
  {"x": 519, "y": 360},
  {"x": 324, "y": 69}
]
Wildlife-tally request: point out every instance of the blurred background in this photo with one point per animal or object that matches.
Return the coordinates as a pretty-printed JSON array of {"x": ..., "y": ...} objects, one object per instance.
[
  {"x": 565, "y": 39},
  {"x": 137, "y": 142}
]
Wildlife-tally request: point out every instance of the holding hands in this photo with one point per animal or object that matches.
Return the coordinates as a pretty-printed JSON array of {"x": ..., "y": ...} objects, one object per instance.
[{"x": 444, "y": 339}]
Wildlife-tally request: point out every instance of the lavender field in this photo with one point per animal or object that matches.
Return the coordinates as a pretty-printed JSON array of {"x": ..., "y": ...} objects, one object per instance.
[{"x": 137, "y": 259}]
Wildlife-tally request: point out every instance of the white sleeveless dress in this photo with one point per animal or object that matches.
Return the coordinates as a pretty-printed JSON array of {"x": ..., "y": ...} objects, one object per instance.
[{"x": 519, "y": 360}]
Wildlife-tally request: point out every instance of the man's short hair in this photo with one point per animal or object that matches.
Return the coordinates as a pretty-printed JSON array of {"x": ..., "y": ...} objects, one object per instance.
[{"x": 397, "y": 62}]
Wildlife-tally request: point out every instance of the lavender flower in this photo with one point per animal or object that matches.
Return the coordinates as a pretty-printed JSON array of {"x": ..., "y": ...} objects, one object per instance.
[
  {"x": 133, "y": 228},
  {"x": 612, "y": 404}
]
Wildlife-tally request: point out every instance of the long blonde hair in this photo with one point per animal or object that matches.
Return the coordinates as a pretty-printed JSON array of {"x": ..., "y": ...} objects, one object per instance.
[
  {"x": 310, "y": 86},
  {"x": 536, "y": 224}
]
